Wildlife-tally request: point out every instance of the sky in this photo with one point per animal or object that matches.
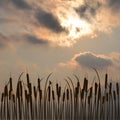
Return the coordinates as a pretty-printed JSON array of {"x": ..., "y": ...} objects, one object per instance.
[{"x": 65, "y": 37}]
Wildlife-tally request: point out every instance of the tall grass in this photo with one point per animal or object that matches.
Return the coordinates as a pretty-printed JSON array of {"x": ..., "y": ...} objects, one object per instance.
[{"x": 53, "y": 102}]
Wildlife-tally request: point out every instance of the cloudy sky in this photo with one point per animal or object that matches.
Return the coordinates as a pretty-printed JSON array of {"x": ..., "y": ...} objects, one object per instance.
[{"x": 60, "y": 36}]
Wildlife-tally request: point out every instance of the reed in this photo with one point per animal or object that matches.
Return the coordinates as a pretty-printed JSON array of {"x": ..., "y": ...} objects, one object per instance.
[{"x": 32, "y": 102}]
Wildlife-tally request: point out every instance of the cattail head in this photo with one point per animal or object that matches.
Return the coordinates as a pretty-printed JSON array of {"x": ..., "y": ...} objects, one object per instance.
[
  {"x": 6, "y": 91},
  {"x": 67, "y": 93},
  {"x": 59, "y": 91},
  {"x": 57, "y": 88},
  {"x": 114, "y": 95},
  {"x": 28, "y": 79},
  {"x": 35, "y": 92},
  {"x": 99, "y": 92},
  {"x": 63, "y": 97},
  {"x": 117, "y": 88},
  {"x": 10, "y": 80},
  {"x": 96, "y": 87},
  {"x": 49, "y": 93},
  {"x": 78, "y": 84},
  {"x": 106, "y": 79},
  {"x": 30, "y": 88},
  {"x": 82, "y": 94},
  {"x": 85, "y": 85},
  {"x": 2, "y": 97},
  {"x": 89, "y": 100},
  {"x": 21, "y": 89},
  {"x": 91, "y": 89},
  {"x": 53, "y": 95},
  {"x": 76, "y": 92},
  {"x": 40, "y": 94},
  {"x": 110, "y": 88},
  {"x": 39, "y": 84},
  {"x": 18, "y": 91},
  {"x": 10, "y": 94}
]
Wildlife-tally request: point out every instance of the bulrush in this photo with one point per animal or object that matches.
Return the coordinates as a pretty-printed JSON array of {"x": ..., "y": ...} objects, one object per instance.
[
  {"x": 63, "y": 99},
  {"x": 85, "y": 85},
  {"x": 28, "y": 79},
  {"x": 6, "y": 91},
  {"x": 2, "y": 97},
  {"x": 82, "y": 94},
  {"x": 49, "y": 93},
  {"x": 117, "y": 88},
  {"x": 106, "y": 80},
  {"x": 100, "y": 101},
  {"x": 96, "y": 87},
  {"x": 53, "y": 95},
  {"x": 91, "y": 90},
  {"x": 35, "y": 92},
  {"x": 11, "y": 87},
  {"x": 67, "y": 93},
  {"x": 110, "y": 89}
]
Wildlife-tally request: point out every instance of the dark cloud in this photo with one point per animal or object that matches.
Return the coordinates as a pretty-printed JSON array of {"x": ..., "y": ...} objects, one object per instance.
[
  {"x": 34, "y": 40},
  {"x": 3, "y": 40},
  {"x": 114, "y": 4},
  {"x": 92, "y": 60},
  {"x": 21, "y": 4},
  {"x": 87, "y": 11},
  {"x": 48, "y": 20}
]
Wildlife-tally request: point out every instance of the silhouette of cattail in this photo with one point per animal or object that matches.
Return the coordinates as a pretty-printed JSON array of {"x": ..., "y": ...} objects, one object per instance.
[
  {"x": 63, "y": 97},
  {"x": 11, "y": 87},
  {"x": 40, "y": 93},
  {"x": 49, "y": 93},
  {"x": 21, "y": 89},
  {"x": 91, "y": 89},
  {"x": 28, "y": 79},
  {"x": 67, "y": 93},
  {"x": 57, "y": 88},
  {"x": 39, "y": 84},
  {"x": 110, "y": 89},
  {"x": 89, "y": 100},
  {"x": 82, "y": 94},
  {"x": 6, "y": 91},
  {"x": 30, "y": 88},
  {"x": 106, "y": 79},
  {"x": 117, "y": 88},
  {"x": 53, "y": 95},
  {"x": 114, "y": 95},
  {"x": 2, "y": 97},
  {"x": 96, "y": 86},
  {"x": 85, "y": 85},
  {"x": 99, "y": 92},
  {"x": 35, "y": 92}
]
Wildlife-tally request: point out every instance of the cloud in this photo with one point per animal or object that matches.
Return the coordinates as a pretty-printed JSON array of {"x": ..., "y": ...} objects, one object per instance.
[
  {"x": 35, "y": 40},
  {"x": 48, "y": 20},
  {"x": 21, "y": 4},
  {"x": 88, "y": 10},
  {"x": 114, "y": 4},
  {"x": 3, "y": 40},
  {"x": 88, "y": 59},
  {"x": 63, "y": 23}
]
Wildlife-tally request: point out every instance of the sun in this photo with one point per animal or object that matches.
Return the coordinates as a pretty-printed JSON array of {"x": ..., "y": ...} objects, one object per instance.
[{"x": 75, "y": 26}]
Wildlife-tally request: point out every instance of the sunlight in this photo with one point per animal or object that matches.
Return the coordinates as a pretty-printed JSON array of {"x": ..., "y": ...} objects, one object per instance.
[{"x": 75, "y": 26}]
